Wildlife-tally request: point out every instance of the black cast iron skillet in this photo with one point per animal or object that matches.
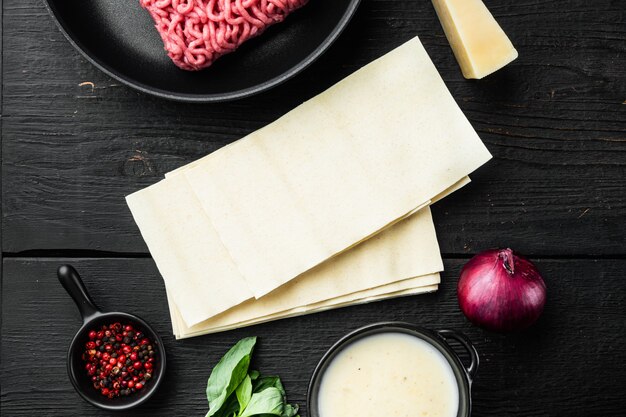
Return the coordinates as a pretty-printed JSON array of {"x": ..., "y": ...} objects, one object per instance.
[
  {"x": 93, "y": 318},
  {"x": 119, "y": 38},
  {"x": 439, "y": 339}
]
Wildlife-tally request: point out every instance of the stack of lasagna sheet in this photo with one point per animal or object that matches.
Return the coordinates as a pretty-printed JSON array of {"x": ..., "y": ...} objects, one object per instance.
[{"x": 326, "y": 207}]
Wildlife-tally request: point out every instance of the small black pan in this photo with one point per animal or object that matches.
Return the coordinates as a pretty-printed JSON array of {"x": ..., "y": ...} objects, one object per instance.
[
  {"x": 94, "y": 318},
  {"x": 438, "y": 339},
  {"x": 119, "y": 38}
]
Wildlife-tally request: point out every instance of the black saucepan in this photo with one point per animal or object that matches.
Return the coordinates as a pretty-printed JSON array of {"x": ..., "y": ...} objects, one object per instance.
[
  {"x": 119, "y": 38},
  {"x": 94, "y": 318},
  {"x": 438, "y": 339}
]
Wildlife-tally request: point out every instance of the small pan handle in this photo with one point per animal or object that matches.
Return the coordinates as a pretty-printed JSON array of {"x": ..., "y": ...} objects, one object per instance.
[
  {"x": 463, "y": 340},
  {"x": 74, "y": 286}
]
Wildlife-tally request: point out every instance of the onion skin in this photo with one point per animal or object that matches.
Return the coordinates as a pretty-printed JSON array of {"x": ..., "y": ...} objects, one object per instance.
[{"x": 501, "y": 291}]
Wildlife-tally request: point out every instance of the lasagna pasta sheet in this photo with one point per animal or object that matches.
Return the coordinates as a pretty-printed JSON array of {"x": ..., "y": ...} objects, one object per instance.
[
  {"x": 325, "y": 207},
  {"x": 338, "y": 169},
  {"x": 181, "y": 331},
  {"x": 191, "y": 258},
  {"x": 203, "y": 281}
]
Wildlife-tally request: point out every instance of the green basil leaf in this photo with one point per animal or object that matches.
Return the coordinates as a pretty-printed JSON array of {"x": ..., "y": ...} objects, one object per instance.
[
  {"x": 274, "y": 382},
  {"x": 290, "y": 410},
  {"x": 253, "y": 374},
  {"x": 244, "y": 393},
  {"x": 269, "y": 401},
  {"x": 267, "y": 382},
  {"x": 228, "y": 374},
  {"x": 229, "y": 409},
  {"x": 265, "y": 415},
  {"x": 279, "y": 385}
]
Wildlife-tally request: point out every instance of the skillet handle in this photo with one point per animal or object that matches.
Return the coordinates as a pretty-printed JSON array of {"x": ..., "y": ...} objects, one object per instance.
[
  {"x": 464, "y": 341},
  {"x": 74, "y": 286}
]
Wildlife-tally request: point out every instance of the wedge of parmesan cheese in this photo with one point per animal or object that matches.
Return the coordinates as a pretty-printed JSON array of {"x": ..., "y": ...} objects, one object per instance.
[{"x": 479, "y": 44}]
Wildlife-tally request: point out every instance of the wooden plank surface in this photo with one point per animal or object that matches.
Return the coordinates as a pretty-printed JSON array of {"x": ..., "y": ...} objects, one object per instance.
[
  {"x": 555, "y": 121},
  {"x": 569, "y": 364}
]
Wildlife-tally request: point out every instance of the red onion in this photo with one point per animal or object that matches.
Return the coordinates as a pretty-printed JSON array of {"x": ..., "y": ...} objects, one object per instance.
[{"x": 501, "y": 291}]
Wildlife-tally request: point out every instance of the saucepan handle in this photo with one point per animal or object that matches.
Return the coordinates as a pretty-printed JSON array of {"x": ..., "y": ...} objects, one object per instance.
[
  {"x": 74, "y": 286},
  {"x": 464, "y": 341}
]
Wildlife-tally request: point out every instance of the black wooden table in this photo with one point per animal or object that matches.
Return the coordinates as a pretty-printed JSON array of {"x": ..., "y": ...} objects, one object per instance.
[{"x": 555, "y": 121}]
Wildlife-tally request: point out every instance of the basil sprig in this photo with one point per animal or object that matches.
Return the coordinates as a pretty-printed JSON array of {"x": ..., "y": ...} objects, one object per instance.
[{"x": 235, "y": 391}]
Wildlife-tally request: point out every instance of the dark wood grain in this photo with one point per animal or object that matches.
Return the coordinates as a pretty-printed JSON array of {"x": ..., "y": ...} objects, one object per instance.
[
  {"x": 569, "y": 364},
  {"x": 555, "y": 121}
]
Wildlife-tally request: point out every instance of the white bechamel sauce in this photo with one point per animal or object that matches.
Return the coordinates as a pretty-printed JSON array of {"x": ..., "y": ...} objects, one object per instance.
[{"x": 389, "y": 375}]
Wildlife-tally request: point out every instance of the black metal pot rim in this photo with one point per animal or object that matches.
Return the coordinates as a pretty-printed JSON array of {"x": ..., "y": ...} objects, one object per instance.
[{"x": 210, "y": 98}]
